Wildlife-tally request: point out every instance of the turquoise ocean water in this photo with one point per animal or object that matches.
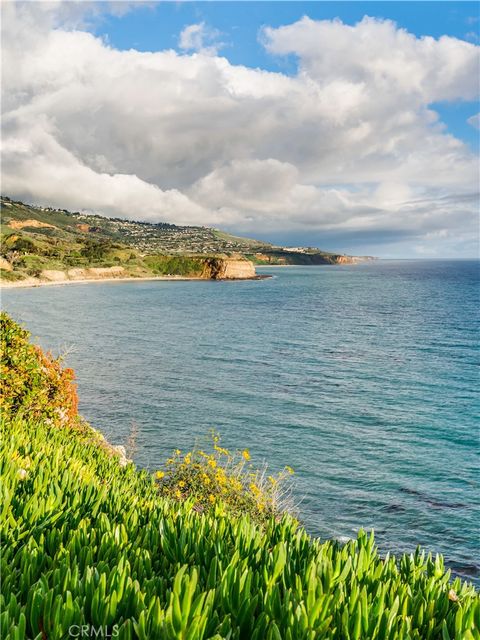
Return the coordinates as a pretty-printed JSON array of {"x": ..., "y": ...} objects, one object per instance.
[{"x": 363, "y": 378}]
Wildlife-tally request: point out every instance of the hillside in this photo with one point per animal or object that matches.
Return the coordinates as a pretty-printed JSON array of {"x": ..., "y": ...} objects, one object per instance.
[
  {"x": 47, "y": 245},
  {"x": 145, "y": 237},
  {"x": 36, "y": 239},
  {"x": 87, "y": 539}
]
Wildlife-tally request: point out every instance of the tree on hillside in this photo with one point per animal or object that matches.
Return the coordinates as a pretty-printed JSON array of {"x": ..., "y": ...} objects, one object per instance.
[{"x": 95, "y": 249}]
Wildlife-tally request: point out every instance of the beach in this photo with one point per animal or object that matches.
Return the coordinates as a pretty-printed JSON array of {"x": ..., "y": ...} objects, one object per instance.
[{"x": 22, "y": 284}]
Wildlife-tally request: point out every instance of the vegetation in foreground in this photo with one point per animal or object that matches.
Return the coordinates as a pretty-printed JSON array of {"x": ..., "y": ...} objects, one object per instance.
[{"x": 89, "y": 540}]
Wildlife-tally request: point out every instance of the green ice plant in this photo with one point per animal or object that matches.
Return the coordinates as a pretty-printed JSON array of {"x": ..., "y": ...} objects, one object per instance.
[{"x": 87, "y": 541}]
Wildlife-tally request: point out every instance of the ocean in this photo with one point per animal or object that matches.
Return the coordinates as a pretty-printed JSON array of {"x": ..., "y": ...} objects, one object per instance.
[{"x": 363, "y": 378}]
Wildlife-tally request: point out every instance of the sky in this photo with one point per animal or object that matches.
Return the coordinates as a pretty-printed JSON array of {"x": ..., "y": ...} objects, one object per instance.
[{"x": 350, "y": 126}]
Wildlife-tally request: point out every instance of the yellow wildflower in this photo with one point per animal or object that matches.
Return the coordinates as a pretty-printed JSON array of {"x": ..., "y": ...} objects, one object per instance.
[
  {"x": 212, "y": 463},
  {"x": 181, "y": 484},
  {"x": 236, "y": 484},
  {"x": 211, "y": 497},
  {"x": 290, "y": 470},
  {"x": 246, "y": 454},
  {"x": 177, "y": 452},
  {"x": 220, "y": 477},
  {"x": 178, "y": 493},
  {"x": 188, "y": 458},
  {"x": 160, "y": 474},
  {"x": 221, "y": 450}
]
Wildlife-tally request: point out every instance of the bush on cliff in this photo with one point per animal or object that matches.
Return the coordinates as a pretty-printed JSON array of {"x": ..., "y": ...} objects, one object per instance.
[
  {"x": 217, "y": 474},
  {"x": 33, "y": 383},
  {"x": 86, "y": 541}
]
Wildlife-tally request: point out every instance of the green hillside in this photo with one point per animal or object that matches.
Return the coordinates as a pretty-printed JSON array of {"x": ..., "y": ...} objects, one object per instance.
[
  {"x": 87, "y": 539},
  {"x": 143, "y": 236},
  {"x": 34, "y": 239}
]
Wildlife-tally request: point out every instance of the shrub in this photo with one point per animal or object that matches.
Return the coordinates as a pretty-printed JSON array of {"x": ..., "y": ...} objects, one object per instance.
[
  {"x": 220, "y": 475},
  {"x": 10, "y": 276},
  {"x": 96, "y": 249},
  {"x": 33, "y": 265},
  {"x": 21, "y": 244},
  {"x": 33, "y": 383},
  {"x": 186, "y": 266}
]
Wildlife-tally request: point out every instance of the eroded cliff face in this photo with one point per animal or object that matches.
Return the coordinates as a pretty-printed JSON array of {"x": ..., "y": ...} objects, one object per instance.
[
  {"x": 345, "y": 260},
  {"x": 91, "y": 273},
  {"x": 235, "y": 268}
]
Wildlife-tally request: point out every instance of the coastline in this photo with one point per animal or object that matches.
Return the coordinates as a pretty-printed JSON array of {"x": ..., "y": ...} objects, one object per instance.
[{"x": 23, "y": 284}]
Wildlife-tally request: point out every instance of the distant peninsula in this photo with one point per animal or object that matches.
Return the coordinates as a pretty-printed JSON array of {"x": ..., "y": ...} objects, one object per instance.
[{"x": 43, "y": 245}]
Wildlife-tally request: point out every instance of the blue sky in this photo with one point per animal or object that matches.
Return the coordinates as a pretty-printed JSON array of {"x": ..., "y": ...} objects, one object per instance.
[
  {"x": 157, "y": 26},
  {"x": 351, "y": 126}
]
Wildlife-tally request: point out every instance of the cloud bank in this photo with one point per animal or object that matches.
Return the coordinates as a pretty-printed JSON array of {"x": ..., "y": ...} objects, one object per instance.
[{"x": 348, "y": 145}]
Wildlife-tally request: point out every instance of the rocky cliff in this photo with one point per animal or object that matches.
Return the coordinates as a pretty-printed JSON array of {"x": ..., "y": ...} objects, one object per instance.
[{"x": 235, "y": 268}]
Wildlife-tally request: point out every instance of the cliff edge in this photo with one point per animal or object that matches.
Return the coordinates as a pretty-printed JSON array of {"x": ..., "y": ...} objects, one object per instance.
[
  {"x": 161, "y": 268},
  {"x": 235, "y": 268}
]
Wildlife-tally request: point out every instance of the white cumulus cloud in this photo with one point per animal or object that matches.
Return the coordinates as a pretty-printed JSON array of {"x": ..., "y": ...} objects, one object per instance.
[
  {"x": 200, "y": 37},
  {"x": 347, "y": 145}
]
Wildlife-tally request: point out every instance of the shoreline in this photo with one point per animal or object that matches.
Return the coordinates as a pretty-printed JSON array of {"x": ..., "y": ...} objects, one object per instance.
[{"x": 22, "y": 284}]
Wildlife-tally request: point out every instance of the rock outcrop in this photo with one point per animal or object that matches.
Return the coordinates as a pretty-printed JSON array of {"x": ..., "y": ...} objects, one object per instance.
[
  {"x": 234, "y": 268},
  {"x": 345, "y": 260}
]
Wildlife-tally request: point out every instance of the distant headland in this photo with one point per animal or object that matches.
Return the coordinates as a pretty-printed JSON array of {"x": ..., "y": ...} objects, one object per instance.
[{"x": 44, "y": 245}]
